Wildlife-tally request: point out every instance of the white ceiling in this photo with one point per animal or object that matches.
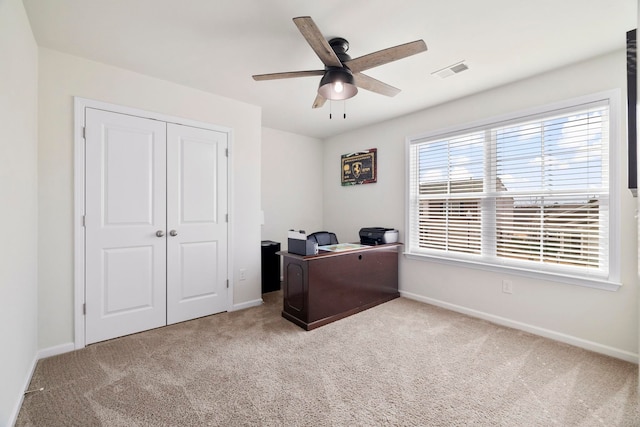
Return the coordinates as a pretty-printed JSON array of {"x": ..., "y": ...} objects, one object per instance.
[{"x": 217, "y": 45}]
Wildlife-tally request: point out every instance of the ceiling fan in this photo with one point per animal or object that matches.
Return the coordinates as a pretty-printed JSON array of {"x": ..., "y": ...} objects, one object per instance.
[{"x": 342, "y": 76}]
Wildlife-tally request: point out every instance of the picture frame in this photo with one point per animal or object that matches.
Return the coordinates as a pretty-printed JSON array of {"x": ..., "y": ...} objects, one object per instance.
[
  {"x": 632, "y": 100},
  {"x": 360, "y": 167}
]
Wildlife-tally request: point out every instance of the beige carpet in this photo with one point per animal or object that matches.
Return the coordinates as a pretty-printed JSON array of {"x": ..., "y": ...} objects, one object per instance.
[{"x": 399, "y": 364}]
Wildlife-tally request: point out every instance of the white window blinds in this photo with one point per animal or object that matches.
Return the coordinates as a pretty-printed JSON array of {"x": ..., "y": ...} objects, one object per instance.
[{"x": 531, "y": 192}]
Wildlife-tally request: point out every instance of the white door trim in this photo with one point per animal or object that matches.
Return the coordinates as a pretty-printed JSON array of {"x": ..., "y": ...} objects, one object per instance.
[{"x": 79, "y": 199}]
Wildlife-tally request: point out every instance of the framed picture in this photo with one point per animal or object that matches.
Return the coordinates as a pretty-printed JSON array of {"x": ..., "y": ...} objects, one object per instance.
[
  {"x": 360, "y": 167},
  {"x": 632, "y": 100}
]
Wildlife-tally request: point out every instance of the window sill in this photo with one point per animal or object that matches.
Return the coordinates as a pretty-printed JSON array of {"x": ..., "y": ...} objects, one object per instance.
[{"x": 594, "y": 282}]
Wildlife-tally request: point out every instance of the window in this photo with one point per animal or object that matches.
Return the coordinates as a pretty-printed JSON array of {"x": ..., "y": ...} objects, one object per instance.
[{"x": 530, "y": 193}]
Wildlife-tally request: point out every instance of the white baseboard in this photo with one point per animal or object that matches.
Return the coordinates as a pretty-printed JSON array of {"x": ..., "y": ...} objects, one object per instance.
[
  {"x": 56, "y": 350},
  {"x": 41, "y": 354},
  {"x": 16, "y": 409},
  {"x": 547, "y": 333},
  {"x": 248, "y": 304}
]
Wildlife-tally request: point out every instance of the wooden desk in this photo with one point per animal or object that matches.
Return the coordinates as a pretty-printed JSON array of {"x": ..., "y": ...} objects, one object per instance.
[{"x": 323, "y": 288}]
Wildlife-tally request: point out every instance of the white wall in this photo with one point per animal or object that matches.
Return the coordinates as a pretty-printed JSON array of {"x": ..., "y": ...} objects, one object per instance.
[
  {"x": 18, "y": 201},
  {"x": 292, "y": 167},
  {"x": 601, "y": 320},
  {"x": 63, "y": 76}
]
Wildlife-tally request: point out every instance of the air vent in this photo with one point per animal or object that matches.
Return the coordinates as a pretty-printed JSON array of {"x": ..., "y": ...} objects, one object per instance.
[{"x": 456, "y": 68}]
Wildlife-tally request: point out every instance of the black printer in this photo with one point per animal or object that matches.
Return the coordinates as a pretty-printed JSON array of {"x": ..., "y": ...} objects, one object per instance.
[{"x": 378, "y": 236}]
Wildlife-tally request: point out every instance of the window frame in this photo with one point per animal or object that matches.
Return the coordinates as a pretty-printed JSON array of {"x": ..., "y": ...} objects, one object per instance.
[{"x": 582, "y": 277}]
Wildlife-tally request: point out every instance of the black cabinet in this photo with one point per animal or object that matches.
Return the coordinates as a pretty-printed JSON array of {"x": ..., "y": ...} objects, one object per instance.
[{"x": 270, "y": 266}]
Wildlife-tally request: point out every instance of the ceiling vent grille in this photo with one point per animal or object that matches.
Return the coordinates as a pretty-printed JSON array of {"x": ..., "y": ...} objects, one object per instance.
[{"x": 456, "y": 68}]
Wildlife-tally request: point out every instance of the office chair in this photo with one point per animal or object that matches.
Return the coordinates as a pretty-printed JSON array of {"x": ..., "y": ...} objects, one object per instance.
[{"x": 323, "y": 238}]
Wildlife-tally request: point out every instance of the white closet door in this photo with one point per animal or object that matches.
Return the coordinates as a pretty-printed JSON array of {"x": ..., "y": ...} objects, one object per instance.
[
  {"x": 125, "y": 206},
  {"x": 197, "y": 224}
]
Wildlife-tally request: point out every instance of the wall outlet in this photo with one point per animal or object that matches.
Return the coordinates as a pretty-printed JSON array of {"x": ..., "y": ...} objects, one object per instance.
[
  {"x": 243, "y": 274},
  {"x": 507, "y": 286}
]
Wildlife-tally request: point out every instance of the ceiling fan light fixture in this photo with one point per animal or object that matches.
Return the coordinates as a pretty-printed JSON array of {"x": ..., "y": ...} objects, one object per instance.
[{"x": 337, "y": 84}]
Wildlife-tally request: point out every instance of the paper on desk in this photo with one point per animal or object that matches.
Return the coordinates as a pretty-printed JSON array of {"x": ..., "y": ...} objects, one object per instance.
[{"x": 341, "y": 247}]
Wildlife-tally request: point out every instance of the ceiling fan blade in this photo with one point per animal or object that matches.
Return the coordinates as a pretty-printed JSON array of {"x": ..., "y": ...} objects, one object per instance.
[
  {"x": 386, "y": 55},
  {"x": 319, "y": 101},
  {"x": 317, "y": 41},
  {"x": 287, "y": 75},
  {"x": 369, "y": 83}
]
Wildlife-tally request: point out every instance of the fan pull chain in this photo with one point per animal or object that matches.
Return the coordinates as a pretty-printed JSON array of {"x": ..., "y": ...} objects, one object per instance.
[{"x": 344, "y": 107}]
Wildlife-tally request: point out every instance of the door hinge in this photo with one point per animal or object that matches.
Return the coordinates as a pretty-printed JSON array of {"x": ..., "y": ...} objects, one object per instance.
[
  {"x": 84, "y": 133},
  {"x": 227, "y": 283},
  {"x": 84, "y": 218},
  {"x": 226, "y": 217},
  {"x": 84, "y": 308},
  {"x": 226, "y": 152}
]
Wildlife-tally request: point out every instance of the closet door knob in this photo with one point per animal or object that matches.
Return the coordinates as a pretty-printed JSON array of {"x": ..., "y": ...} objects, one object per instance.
[
  {"x": 160, "y": 233},
  {"x": 173, "y": 233}
]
